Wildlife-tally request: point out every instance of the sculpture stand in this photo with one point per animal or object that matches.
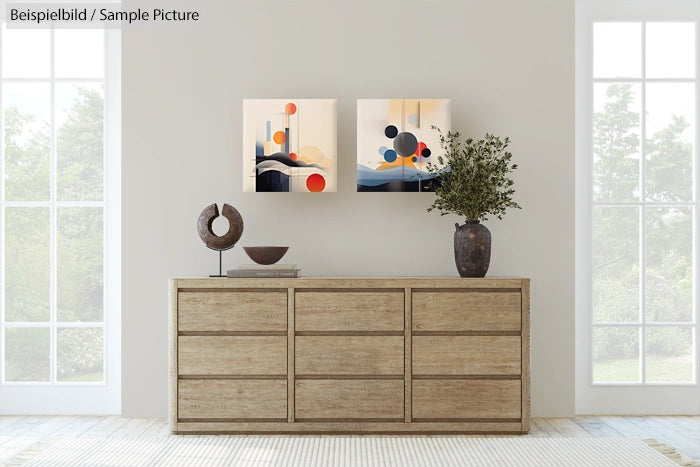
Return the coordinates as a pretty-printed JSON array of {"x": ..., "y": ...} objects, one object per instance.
[
  {"x": 221, "y": 274},
  {"x": 223, "y": 242}
]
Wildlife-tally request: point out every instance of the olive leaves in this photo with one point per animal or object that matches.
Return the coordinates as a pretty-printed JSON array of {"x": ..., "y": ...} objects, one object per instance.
[{"x": 476, "y": 181}]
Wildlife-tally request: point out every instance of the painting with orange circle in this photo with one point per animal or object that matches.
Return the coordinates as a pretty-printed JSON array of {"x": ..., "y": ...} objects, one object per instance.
[{"x": 290, "y": 145}]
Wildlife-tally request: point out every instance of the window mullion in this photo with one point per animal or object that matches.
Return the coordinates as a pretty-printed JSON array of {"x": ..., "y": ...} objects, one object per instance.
[
  {"x": 56, "y": 80},
  {"x": 696, "y": 230},
  {"x": 106, "y": 102},
  {"x": 53, "y": 359},
  {"x": 660, "y": 324},
  {"x": 642, "y": 211},
  {"x": 640, "y": 80},
  {"x": 2, "y": 221},
  {"x": 591, "y": 203}
]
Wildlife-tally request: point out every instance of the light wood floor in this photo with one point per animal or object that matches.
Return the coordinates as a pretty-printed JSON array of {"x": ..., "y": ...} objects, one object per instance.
[{"x": 18, "y": 433}]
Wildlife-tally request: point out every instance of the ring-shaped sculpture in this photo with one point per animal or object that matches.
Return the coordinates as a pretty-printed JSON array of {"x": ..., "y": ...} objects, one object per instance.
[{"x": 220, "y": 242}]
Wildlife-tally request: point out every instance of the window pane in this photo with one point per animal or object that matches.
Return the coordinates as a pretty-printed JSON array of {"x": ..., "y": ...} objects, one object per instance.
[
  {"x": 670, "y": 50},
  {"x": 615, "y": 264},
  {"x": 670, "y": 141},
  {"x": 80, "y": 354},
  {"x": 617, "y": 50},
  {"x": 669, "y": 355},
  {"x": 616, "y": 142},
  {"x": 27, "y": 265},
  {"x": 26, "y": 110},
  {"x": 27, "y": 354},
  {"x": 615, "y": 355},
  {"x": 79, "y": 145},
  {"x": 669, "y": 265},
  {"x": 26, "y": 53},
  {"x": 79, "y": 53},
  {"x": 79, "y": 264}
]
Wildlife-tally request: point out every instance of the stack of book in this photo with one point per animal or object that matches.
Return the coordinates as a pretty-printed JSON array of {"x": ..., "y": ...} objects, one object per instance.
[{"x": 260, "y": 270}]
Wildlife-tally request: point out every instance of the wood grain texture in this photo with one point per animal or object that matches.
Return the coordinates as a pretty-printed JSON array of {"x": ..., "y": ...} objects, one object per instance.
[
  {"x": 445, "y": 399},
  {"x": 349, "y": 311},
  {"x": 348, "y": 355},
  {"x": 466, "y": 355},
  {"x": 349, "y": 399},
  {"x": 466, "y": 311},
  {"x": 408, "y": 356},
  {"x": 352, "y": 282},
  {"x": 525, "y": 342},
  {"x": 212, "y": 399},
  {"x": 357, "y": 428},
  {"x": 232, "y": 355},
  {"x": 290, "y": 354},
  {"x": 232, "y": 311},
  {"x": 172, "y": 354},
  {"x": 568, "y": 428}
]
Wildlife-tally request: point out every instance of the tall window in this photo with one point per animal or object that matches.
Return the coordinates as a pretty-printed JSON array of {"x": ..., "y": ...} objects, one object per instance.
[
  {"x": 59, "y": 216},
  {"x": 637, "y": 132}
]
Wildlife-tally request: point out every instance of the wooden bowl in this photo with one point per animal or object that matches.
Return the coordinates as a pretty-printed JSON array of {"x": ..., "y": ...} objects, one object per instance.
[{"x": 265, "y": 254}]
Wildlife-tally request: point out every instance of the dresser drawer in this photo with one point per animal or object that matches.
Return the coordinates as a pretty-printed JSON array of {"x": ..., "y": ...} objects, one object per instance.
[
  {"x": 232, "y": 311},
  {"x": 232, "y": 355},
  {"x": 349, "y": 399},
  {"x": 349, "y": 355},
  {"x": 349, "y": 311},
  {"x": 466, "y": 399},
  {"x": 232, "y": 399},
  {"x": 466, "y": 355},
  {"x": 466, "y": 311}
]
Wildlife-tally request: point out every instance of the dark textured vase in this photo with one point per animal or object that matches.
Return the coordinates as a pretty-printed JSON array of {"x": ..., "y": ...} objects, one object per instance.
[{"x": 472, "y": 249}]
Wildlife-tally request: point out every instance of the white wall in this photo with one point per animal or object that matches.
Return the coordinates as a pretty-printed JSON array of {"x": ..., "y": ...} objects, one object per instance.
[{"x": 507, "y": 65}]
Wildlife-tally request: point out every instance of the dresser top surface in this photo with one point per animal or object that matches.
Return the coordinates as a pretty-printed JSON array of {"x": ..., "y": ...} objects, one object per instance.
[{"x": 353, "y": 282}]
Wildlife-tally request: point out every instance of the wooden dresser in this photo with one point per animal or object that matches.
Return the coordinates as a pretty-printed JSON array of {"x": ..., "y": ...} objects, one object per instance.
[{"x": 350, "y": 355}]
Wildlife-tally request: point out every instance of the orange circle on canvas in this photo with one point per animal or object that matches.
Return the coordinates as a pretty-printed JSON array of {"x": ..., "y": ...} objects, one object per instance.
[
  {"x": 316, "y": 182},
  {"x": 279, "y": 137}
]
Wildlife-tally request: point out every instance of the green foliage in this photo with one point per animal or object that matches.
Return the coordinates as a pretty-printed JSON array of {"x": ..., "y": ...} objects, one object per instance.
[
  {"x": 27, "y": 354},
  {"x": 27, "y": 149},
  {"x": 80, "y": 354},
  {"x": 79, "y": 149},
  {"x": 27, "y": 267},
  {"x": 616, "y": 263},
  {"x": 79, "y": 240},
  {"x": 613, "y": 343},
  {"x": 666, "y": 369},
  {"x": 669, "y": 164},
  {"x": 79, "y": 264},
  {"x": 476, "y": 182},
  {"x": 615, "y": 146}
]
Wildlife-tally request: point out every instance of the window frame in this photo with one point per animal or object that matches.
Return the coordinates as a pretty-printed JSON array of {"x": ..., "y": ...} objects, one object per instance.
[
  {"x": 638, "y": 397},
  {"x": 56, "y": 397}
]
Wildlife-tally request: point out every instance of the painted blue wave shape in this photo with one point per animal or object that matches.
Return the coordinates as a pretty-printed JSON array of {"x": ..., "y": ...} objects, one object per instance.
[{"x": 371, "y": 177}]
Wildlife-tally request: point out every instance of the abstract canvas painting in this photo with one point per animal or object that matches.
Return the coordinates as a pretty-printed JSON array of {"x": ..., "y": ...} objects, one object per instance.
[
  {"x": 290, "y": 145},
  {"x": 395, "y": 142}
]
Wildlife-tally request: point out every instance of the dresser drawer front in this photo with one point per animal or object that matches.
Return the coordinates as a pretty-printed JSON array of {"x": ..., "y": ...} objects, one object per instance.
[
  {"x": 232, "y": 355},
  {"x": 466, "y": 355},
  {"x": 349, "y": 399},
  {"x": 349, "y": 355},
  {"x": 232, "y": 399},
  {"x": 466, "y": 311},
  {"x": 232, "y": 311},
  {"x": 349, "y": 311},
  {"x": 466, "y": 399}
]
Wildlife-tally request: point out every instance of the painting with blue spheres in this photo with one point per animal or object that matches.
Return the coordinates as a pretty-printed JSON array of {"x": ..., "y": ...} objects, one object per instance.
[{"x": 396, "y": 140}]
